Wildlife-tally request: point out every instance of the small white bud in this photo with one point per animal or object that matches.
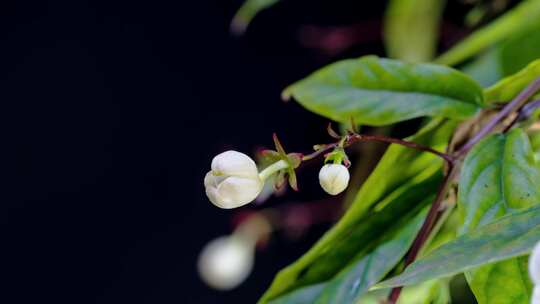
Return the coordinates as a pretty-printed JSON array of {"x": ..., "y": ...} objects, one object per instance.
[
  {"x": 334, "y": 178},
  {"x": 534, "y": 264},
  {"x": 226, "y": 262},
  {"x": 233, "y": 181}
]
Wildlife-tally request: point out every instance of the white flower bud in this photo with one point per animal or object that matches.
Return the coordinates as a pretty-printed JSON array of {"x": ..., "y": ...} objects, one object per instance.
[
  {"x": 233, "y": 181},
  {"x": 226, "y": 262},
  {"x": 334, "y": 178},
  {"x": 534, "y": 264}
]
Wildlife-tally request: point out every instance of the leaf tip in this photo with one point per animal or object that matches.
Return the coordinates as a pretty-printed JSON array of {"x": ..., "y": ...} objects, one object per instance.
[{"x": 286, "y": 94}]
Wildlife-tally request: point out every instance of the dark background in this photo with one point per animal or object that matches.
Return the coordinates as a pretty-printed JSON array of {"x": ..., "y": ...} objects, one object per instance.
[{"x": 116, "y": 110}]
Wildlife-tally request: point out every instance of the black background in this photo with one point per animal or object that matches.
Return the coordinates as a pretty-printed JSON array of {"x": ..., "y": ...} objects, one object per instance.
[{"x": 116, "y": 109}]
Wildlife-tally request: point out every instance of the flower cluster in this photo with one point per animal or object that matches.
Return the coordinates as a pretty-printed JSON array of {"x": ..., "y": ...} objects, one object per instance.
[{"x": 234, "y": 179}]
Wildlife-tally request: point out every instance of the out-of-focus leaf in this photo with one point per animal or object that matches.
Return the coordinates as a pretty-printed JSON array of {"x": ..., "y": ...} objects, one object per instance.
[
  {"x": 506, "y": 57},
  {"x": 357, "y": 278},
  {"x": 411, "y": 29},
  {"x": 520, "y": 49},
  {"x": 508, "y": 88},
  {"x": 486, "y": 68},
  {"x": 402, "y": 180},
  {"x": 499, "y": 176},
  {"x": 379, "y": 91},
  {"x": 510, "y": 236},
  {"x": 513, "y": 21},
  {"x": 246, "y": 13}
]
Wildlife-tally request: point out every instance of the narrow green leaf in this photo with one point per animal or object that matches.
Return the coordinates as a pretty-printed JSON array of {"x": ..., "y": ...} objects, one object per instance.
[
  {"x": 248, "y": 11},
  {"x": 302, "y": 295},
  {"x": 503, "y": 27},
  {"x": 520, "y": 49},
  {"x": 354, "y": 281},
  {"x": 402, "y": 180},
  {"x": 510, "y": 236},
  {"x": 486, "y": 68},
  {"x": 411, "y": 29},
  {"x": 506, "y": 57},
  {"x": 357, "y": 278},
  {"x": 326, "y": 259},
  {"x": 378, "y": 91},
  {"x": 508, "y": 88},
  {"x": 429, "y": 292}
]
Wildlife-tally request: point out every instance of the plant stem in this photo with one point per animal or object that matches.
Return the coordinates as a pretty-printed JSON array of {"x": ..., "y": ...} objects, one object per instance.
[
  {"x": 526, "y": 111},
  {"x": 515, "y": 104},
  {"x": 273, "y": 168},
  {"x": 319, "y": 152},
  {"x": 427, "y": 227},
  {"x": 354, "y": 137},
  {"x": 360, "y": 137}
]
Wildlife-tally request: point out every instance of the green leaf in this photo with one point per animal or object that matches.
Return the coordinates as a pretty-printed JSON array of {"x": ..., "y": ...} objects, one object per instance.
[
  {"x": 505, "y": 282},
  {"x": 499, "y": 176},
  {"x": 429, "y": 292},
  {"x": 400, "y": 164},
  {"x": 302, "y": 295},
  {"x": 510, "y": 236},
  {"x": 506, "y": 57},
  {"x": 508, "y": 88},
  {"x": 378, "y": 91},
  {"x": 248, "y": 11},
  {"x": 327, "y": 258},
  {"x": 357, "y": 278},
  {"x": 486, "y": 68},
  {"x": 520, "y": 49},
  {"x": 402, "y": 181},
  {"x": 526, "y": 13},
  {"x": 411, "y": 29}
]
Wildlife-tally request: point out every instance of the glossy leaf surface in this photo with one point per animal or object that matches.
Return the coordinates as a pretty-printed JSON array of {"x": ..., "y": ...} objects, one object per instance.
[{"x": 378, "y": 91}]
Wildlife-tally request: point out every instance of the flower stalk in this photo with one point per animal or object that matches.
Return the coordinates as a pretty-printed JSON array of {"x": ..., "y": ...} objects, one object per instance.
[{"x": 273, "y": 168}]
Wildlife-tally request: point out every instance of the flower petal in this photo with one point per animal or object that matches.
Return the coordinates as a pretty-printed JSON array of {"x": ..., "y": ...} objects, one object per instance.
[{"x": 233, "y": 163}]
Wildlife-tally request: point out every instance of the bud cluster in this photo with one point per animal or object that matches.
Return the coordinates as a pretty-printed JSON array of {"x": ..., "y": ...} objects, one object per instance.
[{"x": 234, "y": 179}]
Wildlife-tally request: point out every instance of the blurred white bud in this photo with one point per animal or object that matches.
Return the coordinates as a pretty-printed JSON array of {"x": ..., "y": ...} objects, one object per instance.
[
  {"x": 534, "y": 264},
  {"x": 233, "y": 181},
  {"x": 536, "y": 295},
  {"x": 334, "y": 178},
  {"x": 226, "y": 262}
]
